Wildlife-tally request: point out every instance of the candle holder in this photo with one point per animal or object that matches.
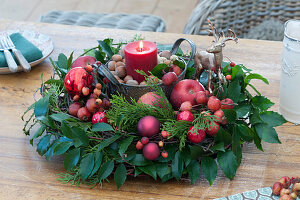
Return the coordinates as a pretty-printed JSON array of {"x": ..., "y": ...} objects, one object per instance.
[{"x": 136, "y": 91}]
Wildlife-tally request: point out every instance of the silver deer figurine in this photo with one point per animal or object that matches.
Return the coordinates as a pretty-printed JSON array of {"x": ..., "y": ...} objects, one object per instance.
[{"x": 212, "y": 58}]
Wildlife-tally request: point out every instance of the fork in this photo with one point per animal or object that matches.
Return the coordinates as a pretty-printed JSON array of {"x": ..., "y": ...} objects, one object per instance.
[
  {"x": 23, "y": 62},
  {"x": 12, "y": 65}
]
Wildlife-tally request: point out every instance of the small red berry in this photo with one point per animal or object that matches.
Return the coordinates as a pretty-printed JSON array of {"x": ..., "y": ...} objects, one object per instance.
[
  {"x": 89, "y": 68},
  {"x": 228, "y": 77},
  {"x": 232, "y": 64},
  {"x": 83, "y": 114},
  {"x": 186, "y": 106},
  {"x": 97, "y": 92},
  {"x": 99, "y": 86},
  {"x": 164, "y": 154},
  {"x": 139, "y": 145},
  {"x": 286, "y": 181},
  {"x": 99, "y": 117},
  {"x": 160, "y": 143},
  {"x": 76, "y": 97},
  {"x": 85, "y": 91},
  {"x": 165, "y": 134},
  {"x": 145, "y": 140},
  {"x": 228, "y": 69},
  {"x": 169, "y": 78},
  {"x": 286, "y": 197}
]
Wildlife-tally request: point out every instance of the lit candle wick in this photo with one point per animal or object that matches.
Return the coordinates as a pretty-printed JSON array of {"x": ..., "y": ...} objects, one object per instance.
[{"x": 141, "y": 45}]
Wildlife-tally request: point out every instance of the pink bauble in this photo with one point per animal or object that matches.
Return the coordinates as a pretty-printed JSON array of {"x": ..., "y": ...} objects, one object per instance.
[
  {"x": 151, "y": 151},
  {"x": 148, "y": 126}
]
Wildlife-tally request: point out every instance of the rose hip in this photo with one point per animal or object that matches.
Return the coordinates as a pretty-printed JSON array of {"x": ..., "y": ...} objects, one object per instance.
[
  {"x": 85, "y": 91},
  {"x": 97, "y": 92},
  {"x": 201, "y": 97},
  {"x": 228, "y": 77},
  {"x": 175, "y": 69},
  {"x": 213, "y": 103},
  {"x": 286, "y": 181},
  {"x": 277, "y": 187},
  {"x": 89, "y": 68},
  {"x": 99, "y": 86},
  {"x": 139, "y": 145},
  {"x": 186, "y": 106},
  {"x": 164, "y": 154},
  {"x": 145, "y": 140},
  {"x": 76, "y": 97},
  {"x": 169, "y": 78},
  {"x": 83, "y": 114},
  {"x": 160, "y": 143},
  {"x": 73, "y": 108}
]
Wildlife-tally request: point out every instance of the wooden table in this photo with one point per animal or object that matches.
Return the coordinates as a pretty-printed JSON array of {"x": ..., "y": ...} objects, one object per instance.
[{"x": 25, "y": 175}]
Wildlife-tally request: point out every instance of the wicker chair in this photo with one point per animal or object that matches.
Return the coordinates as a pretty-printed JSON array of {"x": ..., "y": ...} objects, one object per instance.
[
  {"x": 245, "y": 17},
  {"x": 121, "y": 21}
]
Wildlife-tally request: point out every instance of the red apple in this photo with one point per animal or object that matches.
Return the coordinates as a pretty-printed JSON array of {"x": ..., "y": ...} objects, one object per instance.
[
  {"x": 227, "y": 104},
  {"x": 169, "y": 78},
  {"x": 151, "y": 151},
  {"x": 220, "y": 115},
  {"x": 148, "y": 126},
  {"x": 201, "y": 98},
  {"x": 186, "y": 106},
  {"x": 186, "y": 116},
  {"x": 151, "y": 99},
  {"x": 185, "y": 90},
  {"x": 213, "y": 103},
  {"x": 213, "y": 130},
  {"x": 83, "y": 61},
  {"x": 196, "y": 136}
]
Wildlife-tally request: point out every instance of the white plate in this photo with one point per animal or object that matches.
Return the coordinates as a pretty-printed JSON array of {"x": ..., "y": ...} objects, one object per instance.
[{"x": 41, "y": 41}]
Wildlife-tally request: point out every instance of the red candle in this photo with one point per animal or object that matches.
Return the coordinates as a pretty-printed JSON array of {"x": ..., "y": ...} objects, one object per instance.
[{"x": 141, "y": 55}]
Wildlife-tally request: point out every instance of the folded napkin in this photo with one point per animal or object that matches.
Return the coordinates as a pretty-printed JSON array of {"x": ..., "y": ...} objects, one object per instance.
[{"x": 29, "y": 50}]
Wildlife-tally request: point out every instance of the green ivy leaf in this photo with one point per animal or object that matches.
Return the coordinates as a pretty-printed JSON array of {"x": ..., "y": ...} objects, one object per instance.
[
  {"x": 66, "y": 130},
  {"x": 237, "y": 72},
  {"x": 186, "y": 154},
  {"x": 50, "y": 152},
  {"x": 177, "y": 165},
  {"x": 196, "y": 151},
  {"x": 218, "y": 147},
  {"x": 86, "y": 166},
  {"x": 62, "y": 63},
  {"x": 190, "y": 71},
  {"x": 108, "y": 141},
  {"x": 255, "y": 76},
  {"x": 223, "y": 136},
  {"x": 234, "y": 90},
  {"x": 120, "y": 175},
  {"x": 106, "y": 49},
  {"x": 59, "y": 117},
  {"x": 105, "y": 170},
  {"x": 97, "y": 162},
  {"x": 158, "y": 70},
  {"x": 209, "y": 168},
  {"x": 244, "y": 131},
  {"x": 267, "y": 133},
  {"x": 150, "y": 170},
  {"x": 228, "y": 164},
  {"x": 230, "y": 115},
  {"x": 79, "y": 137},
  {"x": 71, "y": 159},
  {"x": 162, "y": 169},
  {"x": 194, "y": 171},
  {"x": 262, "y": 103},
  {"x": 102, "y": 127},
  {"x": 179, "y": 64},
  {"x": 62, "y": 147},
  {"x": 38, "y": 133},
  {"x": 139, "y": 160},
  {"x": 43, "y": 145},
  {"x": 124, "y": 144},
  {"x": 236, "y": 145},
  {"x": 272, "y": 118},
  {"x": 242, "y": 110},
  {"x": 52, "y": 81},
  {"x": 41, "y": 107}
]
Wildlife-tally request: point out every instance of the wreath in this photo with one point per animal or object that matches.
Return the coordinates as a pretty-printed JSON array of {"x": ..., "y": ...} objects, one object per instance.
[{"x": 104, "y": 133}]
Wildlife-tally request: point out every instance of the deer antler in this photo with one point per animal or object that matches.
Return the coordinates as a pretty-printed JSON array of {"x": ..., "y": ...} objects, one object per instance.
[
  {"x": 213, "y": 31},
  {"x": 231, "y": 36}
]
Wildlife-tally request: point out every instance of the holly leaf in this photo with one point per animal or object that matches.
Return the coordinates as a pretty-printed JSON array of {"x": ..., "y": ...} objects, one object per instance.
[
  {"x": 162, "y": 169},
  {"x": 107, "y": 142},
  {"x": 62, "y": 147},
  {"x": 218, "y": 147},
  {"x": 150, "y": 170},
  {"x": 38, "y": 133},
  {"x": 139, "y": 160},
  {"x": 97, "y": 162},
  {"x": 255, "y": 76},
  {"x": 158, "y": 70},
  {"x": 261, "y": 102},
  {"x": 120, "y": 175},
  {"x": 230, "y": 115},
  {"x": 234, "y": 90},
  {"x": 194, "y": 171},
  {"x": 41, "y": 107},
  {"x": 105, "y": 170},
  {"x": 244, "y": 131},
  {"x": 124, "y": 144},
  {"x": 43, "y": 145},
  {"x": 71, "y": 159},
  {"x": 209, "y": 168},
  {"x": 79, "y": 137},
  {"x": 106, "y": 49},
  {"x": 228, "y": 164},
  {"x": 272, "y": 118},
  {"x": 86, "y": 166},
  {"x": 267, "y": 133},
  {"x": 62, "y": 63},
  {"x": 177, "y": 165},
  {"x": 102, "y": 127},
  {"x": 59, "y": 117}
]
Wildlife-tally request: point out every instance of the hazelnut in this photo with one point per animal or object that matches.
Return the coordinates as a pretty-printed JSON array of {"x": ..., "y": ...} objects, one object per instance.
[
  {"x": 121, "y": 81},
  {"x": 143, "y": 83},
  {"x": 167, "y": 54},
  {"x": 167, "y": 62},
  {"x": 173, "y": 57},
  {"x": 118, "y": 64},
  {"x": 294, "y": 195},
  {"x": 122, "y": 53},
  {"x": 132, "y": 82},
  {"x": 112, "y": 65},
  {"x": 121, "y": 71},
  {"x": 118, "y": 78},
  {"x": 116, "y": 57},
  {"x": 127, "y": 78},
  {"x": 113, "y": 72}
]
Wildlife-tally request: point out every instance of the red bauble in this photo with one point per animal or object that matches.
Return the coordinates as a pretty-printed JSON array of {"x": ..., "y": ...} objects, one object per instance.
[
  {"x": 185, "y": 90},
  {"x": 99, "y": 117},
  {"x": 148, "y": 126},
  {"x": 151, "y": 151},
  {"x": 76, "y": 76},
  {"x": 186, "y": 116},
  {"x": 83, "y": 61},
  {"x": 196, "y": 136}
]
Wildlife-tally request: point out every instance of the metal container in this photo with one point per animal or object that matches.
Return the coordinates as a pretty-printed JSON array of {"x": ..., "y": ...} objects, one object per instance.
[
  {"x": 289, "y": 104},
  {"x": 136, "y": 91}
]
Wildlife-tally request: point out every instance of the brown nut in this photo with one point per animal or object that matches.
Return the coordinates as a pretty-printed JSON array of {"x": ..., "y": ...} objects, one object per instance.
[
  {"x": 118, "y": 78},
  {"x": 122, "y": 53},
  {"x": 116, "y": 57},
  {"x": 143, "y": 83},
  {"x": 121, "y": 71},
  {"x": 111, "y": 65},
  {"x": 167, "y": 62},
  {"x": 120, "y": 63},
  {"x": 284, "y": 192},
  {"x": 132, "y": 82},
  {"x": 127, "y": 78},
  {"x": 167, "y": 54}
]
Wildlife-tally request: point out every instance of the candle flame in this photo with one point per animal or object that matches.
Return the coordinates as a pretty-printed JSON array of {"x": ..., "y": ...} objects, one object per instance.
[{"x": 141, "y": 45}]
